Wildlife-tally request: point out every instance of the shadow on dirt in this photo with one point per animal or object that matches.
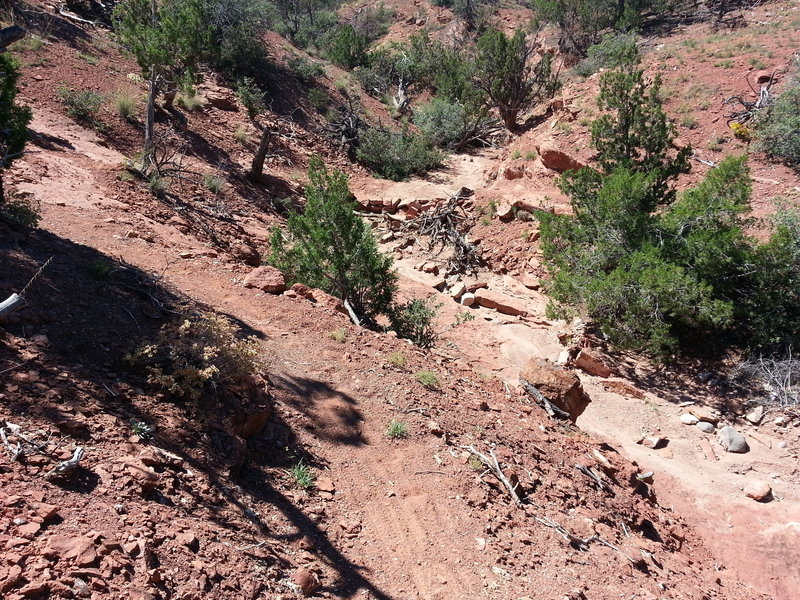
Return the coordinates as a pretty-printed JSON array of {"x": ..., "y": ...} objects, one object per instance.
[{"x": 86, "y": 310}]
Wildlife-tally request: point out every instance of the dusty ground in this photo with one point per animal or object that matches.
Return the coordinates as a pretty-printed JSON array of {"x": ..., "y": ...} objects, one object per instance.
[{"x": 388, "y": 518}]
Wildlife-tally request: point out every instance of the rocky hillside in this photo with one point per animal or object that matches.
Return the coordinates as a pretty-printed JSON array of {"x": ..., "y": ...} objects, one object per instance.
[{"x": 352, "y": 463}]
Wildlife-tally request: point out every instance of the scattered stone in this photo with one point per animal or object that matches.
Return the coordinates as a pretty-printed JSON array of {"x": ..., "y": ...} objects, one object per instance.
[
  {"x": 623, "y": 388},
  {"x": 467, "y": 299},
  {"x": 689, "y": 419},
  {"x": 764, "y": 76},
  {"x": 435, "y": 429},
  {"x": 781, "y": 421},
  {"x": 514, "y": 172},
  {"x": 189, "y": 540},
  {"x": 652, "y": 441},
  {"x": 325, "y": 484},
  {"x": 559, "y": 386},
  {"x": 704, "y": 414},
  {"x": 78, "y": 549},
  {"x": 760, "y": 491},
  {"x": 458, "y": 290},
  {"x": 531, "y": 282},
  {"x": 782, "y": 444},
  {"x": 267, "y": 279},
  {"x": 732, "y": 441},
  {"x": 219, "y": 97},
  {"x": 589, "y": 362},
  {"x": 705, "y": 427},
  {"x": 755, "y": 415},
  {"x": 705, "y": 446},
  {"x": 307, "y": 581},
  {"x": 144, "y": 476},
  {"x": 29, "y": 530}
]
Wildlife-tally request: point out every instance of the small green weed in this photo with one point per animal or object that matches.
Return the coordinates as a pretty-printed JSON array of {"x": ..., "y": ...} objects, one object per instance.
[
  {"x": 92, "y": 60},
  {"x": 689, "y": 121},
  {"x": 339, "y": 335},
  {"x": 463, "y": 317},
  {"x": 476, "y": 464},
  {"x": 189, "y": 100},
  {"x": 241, "y": 135},
  {"x": 125, "y": 105},
  {"x": 100, "y": 269},
  {"x": 302, "y": 476},
  {"x": 427, "y": 378},
  {"x": 142, "y": 429},
  {"x": 397, "y": 359},
  {"x": 531, "y": 155},
  {"x": 516, "y": 155},
  {"x": 396, "y": 430},
  {"x": 213, "y": 183}
]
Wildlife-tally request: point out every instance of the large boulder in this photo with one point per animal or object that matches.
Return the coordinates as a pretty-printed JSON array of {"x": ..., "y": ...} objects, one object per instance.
[
  {"x": 561, "y": 387},
  {"x": 266, "y": 279},
  {"x": 732, "y": 441}
]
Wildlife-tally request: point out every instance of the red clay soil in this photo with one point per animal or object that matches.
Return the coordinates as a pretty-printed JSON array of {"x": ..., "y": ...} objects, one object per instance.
[{"x": 207, "y": 507}]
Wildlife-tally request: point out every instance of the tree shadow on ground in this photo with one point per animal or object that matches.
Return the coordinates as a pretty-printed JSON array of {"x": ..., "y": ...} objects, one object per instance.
[
  {"x": 330, "y": 414},
  {"x": 91, "y": 309}
]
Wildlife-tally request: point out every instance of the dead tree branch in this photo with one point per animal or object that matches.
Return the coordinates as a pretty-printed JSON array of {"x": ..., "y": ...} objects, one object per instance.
[
  {"x": 445, "y": 227},
  {"x": 748, "y": 109},
  {"x": 66, "y": 467},
  {"x": 550, "y": 408},
  {"x": 494, "y": 466}
]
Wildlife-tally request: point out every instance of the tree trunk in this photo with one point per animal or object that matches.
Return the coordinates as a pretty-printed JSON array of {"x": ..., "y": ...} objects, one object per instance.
[
  {"x": 509, "y": 116},
  {"x": 257, "y": 168},
  {"x": 149, "y": 123},
  {"x": 150, "y": 118},
  {"x": 169, "y": 98}
]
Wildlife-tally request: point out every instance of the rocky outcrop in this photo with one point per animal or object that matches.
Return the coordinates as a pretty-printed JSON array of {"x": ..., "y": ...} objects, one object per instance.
[
  {"x": 558, "y": 160},
  {"x": 500, "y": 303},
  {"x": 592, "y": 364},
  {"x": 561, "y": 387}
]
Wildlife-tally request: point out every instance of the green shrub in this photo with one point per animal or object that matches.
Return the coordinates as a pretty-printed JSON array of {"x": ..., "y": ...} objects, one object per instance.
[
  {"x": 613, "y": 51},
  {"x": 305, "y": 70},
  {"x": 778, "y": 128},
  {"x": 659, "y": 272},
  {"x": 396, "y": 430},
  {"x": 14, "y": 118},
  {"x": 82, "y": 105},
  {"x": 348, "y": 48},
  {"x": 195, "y": 355},
  {"x": 331, "y": 248},
  {"x": 397, "y": 155},
  {"x": 414, "y": 321},
  {"x": 22, "y": 211},
  {"x": 450, "y": 124},
  {"x": 427, "y": 378},
  {"x": 251, "y": 96}
]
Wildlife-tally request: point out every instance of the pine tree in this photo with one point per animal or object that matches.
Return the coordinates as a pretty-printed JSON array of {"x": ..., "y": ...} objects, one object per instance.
[
  {"x": 329, "y": 247},
  {"x": 14, "y": 119}
]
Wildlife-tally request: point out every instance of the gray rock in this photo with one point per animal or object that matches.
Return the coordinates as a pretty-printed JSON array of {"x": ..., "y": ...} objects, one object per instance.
[
  {"x": 706, "y": 427},
  {"x": 732, "y": 441},
  {"x": 688, "y": 419},
  {"x": 468, "y": 299}
]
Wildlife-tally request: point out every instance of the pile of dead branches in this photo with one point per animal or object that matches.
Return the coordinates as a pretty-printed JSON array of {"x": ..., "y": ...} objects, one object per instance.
[
  {"x": 445, "y": 227},
  {"x": 746, "y": 110}
]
